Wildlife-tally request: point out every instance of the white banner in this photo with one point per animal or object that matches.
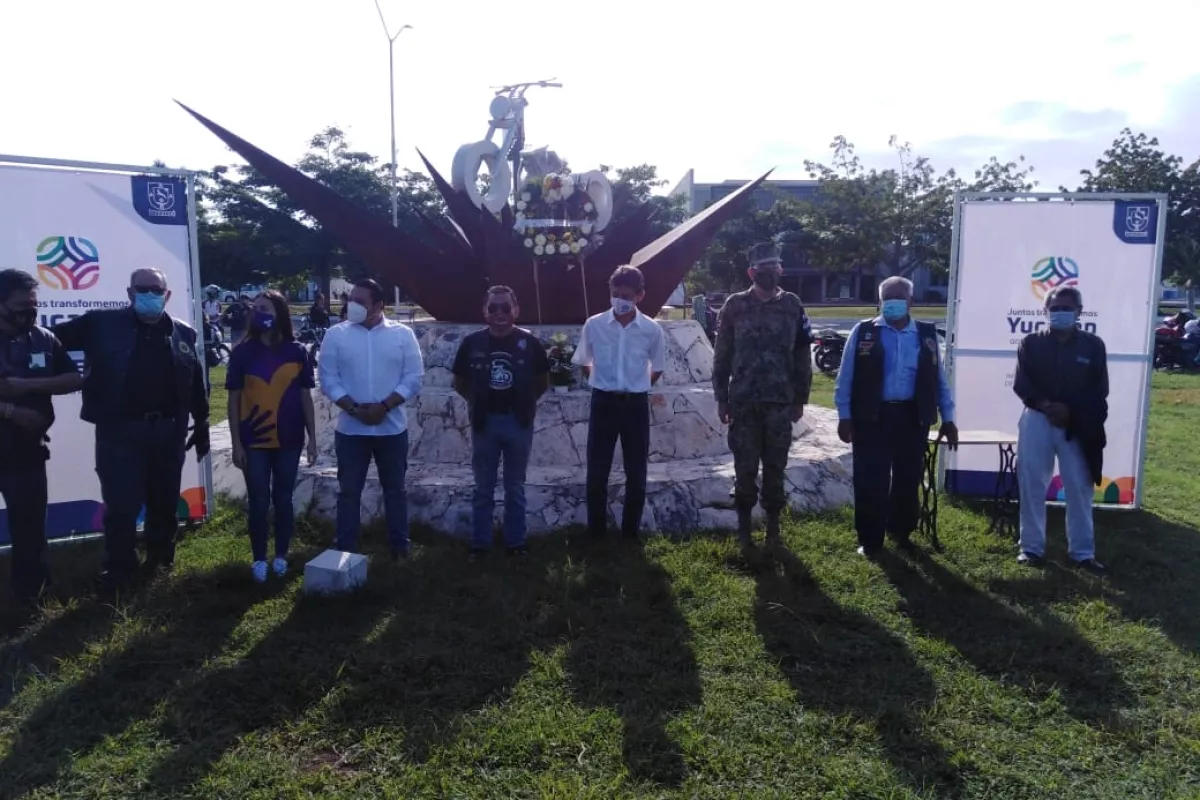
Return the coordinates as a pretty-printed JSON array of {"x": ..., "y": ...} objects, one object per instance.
[
  {"x": 81, "y": 234},
  {"x": 1010, "y": 254}
]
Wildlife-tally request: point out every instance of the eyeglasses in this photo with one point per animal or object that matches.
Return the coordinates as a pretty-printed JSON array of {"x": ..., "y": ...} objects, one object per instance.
[
  {"x": 158, "y": 290},
  {"x": 499, "y": 308}
]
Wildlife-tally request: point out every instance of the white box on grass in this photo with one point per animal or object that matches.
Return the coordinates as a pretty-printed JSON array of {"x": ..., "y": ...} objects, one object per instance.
[{"x": 335, "y": 572}]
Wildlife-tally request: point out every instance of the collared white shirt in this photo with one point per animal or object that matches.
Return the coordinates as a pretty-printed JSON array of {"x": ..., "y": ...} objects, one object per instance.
[
  {"x": 368, "y": 364},
  {"x": 622, "y": 357}
]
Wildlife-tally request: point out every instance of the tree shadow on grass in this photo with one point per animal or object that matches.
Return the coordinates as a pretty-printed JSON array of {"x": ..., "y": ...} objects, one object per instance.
[
  {"x": 843, "y": 662},
  {"x": 1036, "y": 651},
  {"x": 183, "y": 622},
  {"x": 59, "y": 635},
  {"x": 630, "y": 649}
]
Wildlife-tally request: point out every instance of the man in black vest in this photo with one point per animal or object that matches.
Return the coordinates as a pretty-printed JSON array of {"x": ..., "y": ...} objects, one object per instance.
[
  {"x": 500, "y": 371},
  {"x": 33, "y": 366},
  {"x": 890, "y": 390},
  {"x": 143, "y": 378}
]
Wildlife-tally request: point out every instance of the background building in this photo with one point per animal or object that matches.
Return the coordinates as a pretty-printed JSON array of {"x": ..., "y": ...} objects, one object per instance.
[{"x": 813, "y": 285}]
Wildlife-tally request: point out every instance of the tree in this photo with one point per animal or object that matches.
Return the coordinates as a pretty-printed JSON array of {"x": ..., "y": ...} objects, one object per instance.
[
  {"x": 634, "y": 186},
  {"x": 1134, "y": 163}
]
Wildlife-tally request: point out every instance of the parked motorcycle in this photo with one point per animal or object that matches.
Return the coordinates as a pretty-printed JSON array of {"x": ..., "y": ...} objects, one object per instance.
[
  {"x": 828, "y": 350},
  {"x": 311, "y": 337},
  {"x": 216, "y": 351}
]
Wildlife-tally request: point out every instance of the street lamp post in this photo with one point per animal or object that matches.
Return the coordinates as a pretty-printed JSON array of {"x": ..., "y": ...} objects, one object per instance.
[{"x": 391, "y": 84}]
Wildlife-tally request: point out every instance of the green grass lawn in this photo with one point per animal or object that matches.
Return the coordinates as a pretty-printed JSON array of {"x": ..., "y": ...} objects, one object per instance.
[{"x": 679, "y": 670}]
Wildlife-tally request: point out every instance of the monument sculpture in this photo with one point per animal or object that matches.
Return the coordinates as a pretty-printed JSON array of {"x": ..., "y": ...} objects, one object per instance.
[{"x": 555, "y": 237}]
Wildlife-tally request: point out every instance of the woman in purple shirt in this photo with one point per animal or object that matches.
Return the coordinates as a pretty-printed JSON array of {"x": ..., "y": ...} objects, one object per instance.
[{"x": 270, "y": 410}]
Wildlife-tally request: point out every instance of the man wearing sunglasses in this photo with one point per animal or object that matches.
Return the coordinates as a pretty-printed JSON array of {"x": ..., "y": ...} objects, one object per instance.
[
  {"x": 500, "y": 371},
  {"x": 1062, "y": 377},
  {"x": 143, "y": 378}
]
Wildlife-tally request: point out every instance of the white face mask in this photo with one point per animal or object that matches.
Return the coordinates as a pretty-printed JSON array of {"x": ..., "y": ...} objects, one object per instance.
[
  {"x": 356, "y": 313},
  {"x": 621, "y": 306}
]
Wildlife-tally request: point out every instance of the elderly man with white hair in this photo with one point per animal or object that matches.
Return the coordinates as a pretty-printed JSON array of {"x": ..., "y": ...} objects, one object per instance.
[
  {"x": 890, "y": 390},
  {"x": 1062, "y": 378}
]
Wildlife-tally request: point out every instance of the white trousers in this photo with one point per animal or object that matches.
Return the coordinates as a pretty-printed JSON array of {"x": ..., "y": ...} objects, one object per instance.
[{"x": 1038, "y": 443}]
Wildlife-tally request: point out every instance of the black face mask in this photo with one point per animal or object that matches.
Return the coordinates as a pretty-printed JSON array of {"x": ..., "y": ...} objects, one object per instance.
[
  {"x": 21, "y": 320},
  {"x": 766, "y": 279}
]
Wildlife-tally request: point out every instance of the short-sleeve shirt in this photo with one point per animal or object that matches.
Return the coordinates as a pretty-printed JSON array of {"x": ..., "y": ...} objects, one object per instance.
[
  {"x": 20, "y": 359},
  {"x": 502, "y": 351},
  {"x": 270, "y": 379}
]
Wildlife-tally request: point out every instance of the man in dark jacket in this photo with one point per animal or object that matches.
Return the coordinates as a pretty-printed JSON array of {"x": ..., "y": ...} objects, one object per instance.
[
  {"x": 500, "y": 371},
  {"x": 143, "y": 378},
  {"x": 1062, "y": 377},
  {"x": 34, "y": 366}
]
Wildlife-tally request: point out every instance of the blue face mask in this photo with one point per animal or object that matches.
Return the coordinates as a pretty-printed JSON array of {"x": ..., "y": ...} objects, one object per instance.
[
  {"x": 262, "y": 321},
  {"x": 1062, "y": 320},
  {"x": 894, "y": 310},
  {"x": 149, "y": 305}
]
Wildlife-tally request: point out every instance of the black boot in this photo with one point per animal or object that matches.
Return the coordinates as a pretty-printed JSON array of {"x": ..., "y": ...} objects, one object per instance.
[
  {"x": 773, "y": 527},
  {"x": 745, "y": 525}
]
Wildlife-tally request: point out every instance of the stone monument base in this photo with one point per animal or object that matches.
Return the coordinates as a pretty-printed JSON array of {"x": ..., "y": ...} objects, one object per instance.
[{"x": 684, "y": 495}]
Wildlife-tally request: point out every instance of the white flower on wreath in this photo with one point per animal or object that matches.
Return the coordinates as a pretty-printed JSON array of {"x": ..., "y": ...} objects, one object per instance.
[
  {"x": 529, "y": 242},
  {"x": 539, "y": 250},
  {"x": 582, "y": 242},
  {"x": 519, "y": 215},
  {"x": 552, "y": 195},
  {"x": 522, "y": 205},
  {"x": 526, "y": 196},
  {"x": 585, "y": 228},
  {"x": 564, "y": 248},
  {"x": 575, "y": 247},
  {"x": 589, "y": 207},
  {"x": 567, "y": 190},
  {"x": 540, "y": 239}
]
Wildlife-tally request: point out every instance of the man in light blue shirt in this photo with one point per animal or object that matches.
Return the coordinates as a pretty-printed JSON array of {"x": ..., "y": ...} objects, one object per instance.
[
  {"x": 371, "y": 368},
  {"x": 890, "y": 390}
]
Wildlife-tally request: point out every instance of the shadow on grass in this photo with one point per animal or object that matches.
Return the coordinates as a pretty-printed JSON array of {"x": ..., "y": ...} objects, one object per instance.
[
  {"x": 1038, "y": 652},
  {"x": 1153, "y": 563},
  {"x": 396, "y": 667},
  {"x": 843, "y": 662},
  {"x": 184, "y": 621},
  {"x": 630, "y": 650}
]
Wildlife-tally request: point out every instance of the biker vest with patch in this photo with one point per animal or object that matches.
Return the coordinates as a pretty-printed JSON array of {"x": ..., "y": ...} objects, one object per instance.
[{"x": 866, "y": 390}]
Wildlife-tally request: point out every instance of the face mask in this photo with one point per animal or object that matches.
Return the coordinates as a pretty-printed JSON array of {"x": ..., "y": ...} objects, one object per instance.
[
  {"x": 149, "y": 305},
  {"x": 262, "y": 321},
  {"x": 21, "y": 320},
  {"x": 621, "y": 306},
  {"x": 766, "y": 279},
  {"x": 1062, "y": 320},
  {"x": 895, "y": 310},
  {"x": 356, "y": 313}
]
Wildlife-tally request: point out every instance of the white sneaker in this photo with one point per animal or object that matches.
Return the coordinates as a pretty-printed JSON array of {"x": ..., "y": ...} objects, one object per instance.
[
  {"x": 259, "y": 568},
  {"x": 279, "y": 566}
]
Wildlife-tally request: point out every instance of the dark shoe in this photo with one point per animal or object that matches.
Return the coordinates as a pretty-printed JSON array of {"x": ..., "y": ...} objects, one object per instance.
[
  {"x": 518, "y": 551},
  {"x": 745, "y": 526},
  {"x": 1029, "y": 559},
  {"x": 1091, "y": 565},
  {"x": 109, "y": 582},
  {"x": 773, "y": 527},
  {"x": 869, "y": 552}
]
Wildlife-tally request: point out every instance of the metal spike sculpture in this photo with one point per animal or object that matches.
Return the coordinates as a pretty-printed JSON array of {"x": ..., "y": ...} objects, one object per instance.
[{"x": 496, "y": 241}]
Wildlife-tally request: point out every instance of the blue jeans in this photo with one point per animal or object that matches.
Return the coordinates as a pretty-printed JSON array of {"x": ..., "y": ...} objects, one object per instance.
[
  {"x": 271, "y": 480},
  {"x": 1038, "y": 444},
  {"x": 501, "y": 438},
  {"x": 354, "y": 454}
]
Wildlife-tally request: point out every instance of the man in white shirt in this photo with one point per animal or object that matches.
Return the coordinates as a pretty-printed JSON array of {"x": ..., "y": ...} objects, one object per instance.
[
  {"x": 370, "y": 368},
  {"x": 622, "y": 351}
]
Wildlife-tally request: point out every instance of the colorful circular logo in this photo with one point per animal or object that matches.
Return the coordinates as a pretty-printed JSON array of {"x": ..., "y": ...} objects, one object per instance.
[{"x": 1050, "y": 273}]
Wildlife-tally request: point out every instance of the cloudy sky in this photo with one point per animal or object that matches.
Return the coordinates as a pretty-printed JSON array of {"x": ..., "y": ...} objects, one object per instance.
[{"x": 729, "y": 89}]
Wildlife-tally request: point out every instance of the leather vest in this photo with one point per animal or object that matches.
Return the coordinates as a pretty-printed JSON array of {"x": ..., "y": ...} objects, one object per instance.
[{"x": 866, "y": 391}]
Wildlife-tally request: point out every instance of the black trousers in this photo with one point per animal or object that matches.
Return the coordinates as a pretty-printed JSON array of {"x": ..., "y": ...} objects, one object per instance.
[
  {"x": 888, "y": 460},
  {"x": 624, "y": 417},
  {"x": 25, "y": 497},
  {"x": 140, "y": 464}
]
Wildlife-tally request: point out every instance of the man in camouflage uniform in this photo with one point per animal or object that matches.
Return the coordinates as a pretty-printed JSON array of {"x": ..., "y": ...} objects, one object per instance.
[{"x": 762, "y": 373}]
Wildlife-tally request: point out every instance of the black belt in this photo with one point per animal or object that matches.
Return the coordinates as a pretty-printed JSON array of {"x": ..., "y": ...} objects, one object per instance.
[
  {"x": 620, "y": 395},
  {"x": 899, "y": 402},
  {"x": 150, "y": 416}
]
